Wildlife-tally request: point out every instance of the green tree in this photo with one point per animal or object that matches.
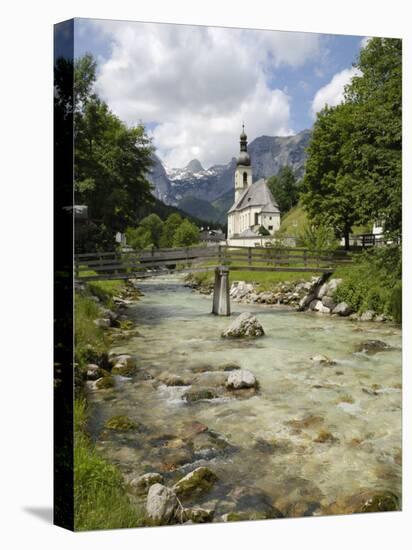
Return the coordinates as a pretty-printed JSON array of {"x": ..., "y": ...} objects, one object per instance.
[
  {"x": 186, "y": 234},
  {"x": 111, "y": 160},
  {"x": 284, "y": 188},
  {"x": 376, "y": 139},
  {"x": 329, "y": 187},
  {"x": 169, "y": 229},
  {"x": 353, "y": 170},
  {"x": 139, "y": 237},
  {"x": 154, "y": 226}
]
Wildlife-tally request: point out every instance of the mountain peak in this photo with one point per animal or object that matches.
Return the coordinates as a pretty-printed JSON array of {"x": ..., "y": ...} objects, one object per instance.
[{"x": 194, "y": 166}]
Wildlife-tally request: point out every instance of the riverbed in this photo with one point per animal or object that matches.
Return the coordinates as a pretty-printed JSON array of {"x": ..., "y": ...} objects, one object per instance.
[{"x": 311, "y": 435}]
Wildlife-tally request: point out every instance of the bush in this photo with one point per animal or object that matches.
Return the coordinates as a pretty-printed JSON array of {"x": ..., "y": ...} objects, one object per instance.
[
  {"x": 373, "y": 282},
  {"x": 90, "y": 340},
  {"x": 319, "y": 238},
  {"x": 396, "y": 303}
]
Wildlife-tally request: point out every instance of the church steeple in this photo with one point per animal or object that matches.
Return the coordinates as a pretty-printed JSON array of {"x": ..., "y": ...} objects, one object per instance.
[
  {"x": 243, "y": 173},
  {"x": 244, "y": 158}
]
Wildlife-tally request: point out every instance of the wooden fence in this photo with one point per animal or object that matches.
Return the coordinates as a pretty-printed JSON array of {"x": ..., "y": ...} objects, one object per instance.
[{"x": 118, "y": 265}]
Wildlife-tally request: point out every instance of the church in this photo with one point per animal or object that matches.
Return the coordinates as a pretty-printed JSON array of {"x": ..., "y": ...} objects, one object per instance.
[{"x": 254, "y": 207}]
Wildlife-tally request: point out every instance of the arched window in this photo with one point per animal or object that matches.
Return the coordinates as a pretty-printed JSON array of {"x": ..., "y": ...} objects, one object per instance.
[{"x": 244, "y": 178}]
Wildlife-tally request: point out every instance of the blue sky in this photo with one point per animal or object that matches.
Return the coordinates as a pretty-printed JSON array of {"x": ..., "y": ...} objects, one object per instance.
[{"x": 192, "y": 86}]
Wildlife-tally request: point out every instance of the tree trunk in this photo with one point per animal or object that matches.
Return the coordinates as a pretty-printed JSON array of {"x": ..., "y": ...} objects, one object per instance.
[{"x": 346, "y": 236}]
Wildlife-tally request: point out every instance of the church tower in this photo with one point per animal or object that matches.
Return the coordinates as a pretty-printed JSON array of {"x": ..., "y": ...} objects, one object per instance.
[{"x": 243, "y": 173}]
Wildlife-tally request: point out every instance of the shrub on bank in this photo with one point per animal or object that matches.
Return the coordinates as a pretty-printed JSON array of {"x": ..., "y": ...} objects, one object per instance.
[
  {"x": 373, "y": 282},
  {"x": 90, "y": 340}
]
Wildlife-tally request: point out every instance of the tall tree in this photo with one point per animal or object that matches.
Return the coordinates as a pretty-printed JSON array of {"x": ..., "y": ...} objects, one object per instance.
[
  {"x": 186, "y": 234},
  {"x": 111, "y": 160},
  {"x": 329, "y": 187},
  {"x": 376, "y": 139},
  {"x": 169, "y": 229},
  {"x": 284, "y": 188},
  {"x": 353, "y": 170}
]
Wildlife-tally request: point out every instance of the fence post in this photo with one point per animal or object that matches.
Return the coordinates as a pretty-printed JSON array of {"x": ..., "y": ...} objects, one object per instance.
[
  {"x": 305, "y": 258},
  {"x": 249, "y": 256}
]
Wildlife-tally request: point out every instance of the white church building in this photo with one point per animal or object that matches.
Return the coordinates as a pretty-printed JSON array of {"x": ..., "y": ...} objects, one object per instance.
[{"x": 254, "y": 205}]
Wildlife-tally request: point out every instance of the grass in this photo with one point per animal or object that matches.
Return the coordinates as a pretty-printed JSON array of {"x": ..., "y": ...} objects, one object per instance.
[
  {"x": 105, "y": 290},
  {"x": 373, "y": 282},
  {"x": 90, "y": 340},
  {"x": 100, "y": 498},
  {"x": 293, "y": 222}
]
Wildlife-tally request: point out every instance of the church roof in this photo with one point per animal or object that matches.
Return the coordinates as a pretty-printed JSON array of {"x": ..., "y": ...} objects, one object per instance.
[
  {"x": 257, "y": 194},
  {"x": 248, "y": 232}
]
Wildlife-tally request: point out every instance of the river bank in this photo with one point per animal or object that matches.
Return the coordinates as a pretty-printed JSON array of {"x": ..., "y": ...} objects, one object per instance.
[
  {"x": 312, "y": 437},
  {"x": 318, "y": 294}
]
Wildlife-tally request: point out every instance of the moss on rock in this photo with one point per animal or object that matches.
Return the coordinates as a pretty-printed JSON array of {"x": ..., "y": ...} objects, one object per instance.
[
  {"x": 198, "y": 481},
  {"x": 105, "y": 382},
  {"x": 121, "y": 423}
]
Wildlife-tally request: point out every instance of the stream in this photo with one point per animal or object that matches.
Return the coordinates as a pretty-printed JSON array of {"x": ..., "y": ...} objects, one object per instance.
[{"x": 311, "y": 435}]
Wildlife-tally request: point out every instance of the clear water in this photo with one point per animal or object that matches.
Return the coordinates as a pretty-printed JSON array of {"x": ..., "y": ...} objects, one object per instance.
[{"x": 358, "y": 401}]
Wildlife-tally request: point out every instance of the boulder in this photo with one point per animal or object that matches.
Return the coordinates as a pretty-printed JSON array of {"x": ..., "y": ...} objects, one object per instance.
[
  {"x": 371, "y": 347},
  {"x": 170, "y": 379},
  {"x": 305, "y": 301},
  {"x": 332, "y": 287},
  {"x": 120, "y": 423},
  {"x": 366, "y": 501},
  {"x": 323, "y": 360},
  {"x": 343, "y": 309},
  {"x": 102, "y": 323},
  {"x": 198, "y": 481},
  {"x": 94, "y": 372},
  {"x": 161, "y": 504},
  {"x": 142, "y": 484},
  {"x": 328, "y": 302},
  {"x": 320, "y": 308},
  {"x": 313, "y": 304},
  {"x": 252, "y": 503},
  {"x": 198, "y": 393},
  {"x": 124, "y": 369},
  {"x": 245, "y": 325},
  {"x": 104, "y": 383},
  {"x": 322, "y": 290},
  {"x": 124, "y": 359},
  {"x": 240, "y": 379},
  {"x": 198, "y": 515},
  {"x": 367, "y": 315}
]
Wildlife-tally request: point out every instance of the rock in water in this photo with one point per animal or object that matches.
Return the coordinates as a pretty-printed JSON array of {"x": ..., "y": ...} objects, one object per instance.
[
  {"x": 198, "y": 515},
  {"x": 367, "y": 315},
  {"x": 143, "y": 483},
  {"x": 372, "y": 346},
  {"x": 322, "y": 360},
  {"x": 161, "y": 503},
  {"x": 342, "y": 309},
  {"x": 199, "y": 481},
  {"x": 246, "y": 325},
  {"x": 239, "y": 379}
]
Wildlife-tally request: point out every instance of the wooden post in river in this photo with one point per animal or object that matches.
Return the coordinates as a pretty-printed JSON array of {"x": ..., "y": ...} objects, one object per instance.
[{"x": 221, "y": 298}]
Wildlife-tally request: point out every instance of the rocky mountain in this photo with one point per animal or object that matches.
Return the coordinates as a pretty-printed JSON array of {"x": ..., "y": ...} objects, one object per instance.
[
  {"x": 209, "y": 193},
  {"x": 159, "y": 180}
]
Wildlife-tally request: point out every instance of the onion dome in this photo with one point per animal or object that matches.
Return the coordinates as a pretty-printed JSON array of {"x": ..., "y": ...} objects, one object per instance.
[{"x": 243, "y": 158}]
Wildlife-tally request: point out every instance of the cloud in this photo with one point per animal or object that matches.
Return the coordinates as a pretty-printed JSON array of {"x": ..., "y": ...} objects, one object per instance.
[
  {"x": 194, "y": 85},
  {"x": 332, "y": 93}
]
